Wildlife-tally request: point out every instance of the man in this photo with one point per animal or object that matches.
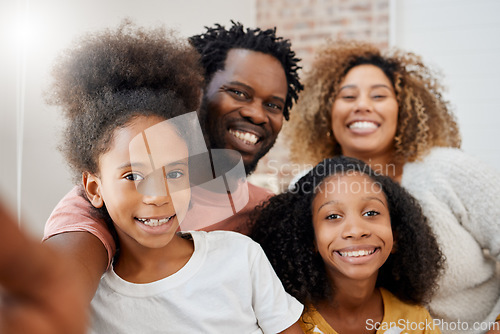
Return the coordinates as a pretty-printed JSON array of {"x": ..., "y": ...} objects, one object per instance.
[{"x": 251, "y": 83}]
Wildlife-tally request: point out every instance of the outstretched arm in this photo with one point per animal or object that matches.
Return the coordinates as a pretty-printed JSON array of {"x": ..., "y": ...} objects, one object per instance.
[
  {"x": 74, "y": 230},
  {"x": 88, "y": 256},
  {"x": 41, "y": 293}
]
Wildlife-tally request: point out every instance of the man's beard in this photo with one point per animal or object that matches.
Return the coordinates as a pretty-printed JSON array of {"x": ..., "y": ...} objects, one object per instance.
[
  {"x": 215, "y": 137},
  {"x": 216, "y": 140},
  {"x": 250, "y": 168}
]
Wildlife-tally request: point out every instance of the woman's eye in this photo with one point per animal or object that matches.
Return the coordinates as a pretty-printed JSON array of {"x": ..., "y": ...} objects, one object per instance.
[
  {"x": 379, "y": 97},
  {"x": 134, "y": 177},
  {"x": 371, "y": 213},
  {"x": 348, "y": 97},
  {"x": 174, "y": 174}
]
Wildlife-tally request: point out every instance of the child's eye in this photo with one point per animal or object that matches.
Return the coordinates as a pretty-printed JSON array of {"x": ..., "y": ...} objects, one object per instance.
[
  {"x": 371, "y": 213},
  {"x": 174, "y": 174},
  {"x": 333, "y": 216},
  {"x": 133, "y": 177}
]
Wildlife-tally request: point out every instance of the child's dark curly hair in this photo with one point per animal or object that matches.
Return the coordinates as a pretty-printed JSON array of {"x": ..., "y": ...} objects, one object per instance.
[
  {"x": 112, "y": 76},
  {"x": 285, "y": 231},
  {"x": 216, "y": 42}
]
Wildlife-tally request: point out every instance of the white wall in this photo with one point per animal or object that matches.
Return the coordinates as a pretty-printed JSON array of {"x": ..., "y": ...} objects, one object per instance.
[
  {"x": 462, "y": 38},
  {"x": 27, "y": 125}
]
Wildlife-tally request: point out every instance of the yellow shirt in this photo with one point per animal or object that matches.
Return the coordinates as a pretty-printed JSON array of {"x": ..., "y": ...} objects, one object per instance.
[{"x": 399, "y": 317}]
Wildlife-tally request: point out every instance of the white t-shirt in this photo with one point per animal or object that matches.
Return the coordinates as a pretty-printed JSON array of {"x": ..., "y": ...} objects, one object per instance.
[{"x": 227, "y": 286}]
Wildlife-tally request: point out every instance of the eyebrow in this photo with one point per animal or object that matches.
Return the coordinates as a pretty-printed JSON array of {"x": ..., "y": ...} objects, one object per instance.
[
  {"x": 140, "y": 164},
  {"x": 374, "y": 198},
  {"x": 239, "y": 83},
  {"x": 364, "y": 198},
  {"x": 327, "y": 203},
  {"x": 372, "y": 87}
]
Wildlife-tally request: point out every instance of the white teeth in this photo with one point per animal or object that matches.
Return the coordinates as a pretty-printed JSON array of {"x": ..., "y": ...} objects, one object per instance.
[
  {"x": 363, "y": 125},
  {"x": 154, "y": 222},
  {"x": 357, "y": 253},
  {"x": 247, "y": 137}
]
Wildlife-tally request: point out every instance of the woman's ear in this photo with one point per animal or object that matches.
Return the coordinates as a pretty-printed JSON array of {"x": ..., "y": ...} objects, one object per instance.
[{"x": 92, "y": 186}]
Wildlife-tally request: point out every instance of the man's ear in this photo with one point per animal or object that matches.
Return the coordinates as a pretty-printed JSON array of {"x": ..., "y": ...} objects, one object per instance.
[{"x": 92, "y": 186}]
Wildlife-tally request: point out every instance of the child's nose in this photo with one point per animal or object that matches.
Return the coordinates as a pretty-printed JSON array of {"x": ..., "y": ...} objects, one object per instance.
[
  {"x": 155, "y": 189},
  {"x": 156, "y": 200},
  {"x": 355, "y": 228}
]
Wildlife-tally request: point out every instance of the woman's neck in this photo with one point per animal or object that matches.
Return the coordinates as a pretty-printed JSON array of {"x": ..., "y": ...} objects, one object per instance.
[
  {"x": 383, "y": 164},
  {"x": 139, "y": 264},
  {"x": 353, "y": 303}
]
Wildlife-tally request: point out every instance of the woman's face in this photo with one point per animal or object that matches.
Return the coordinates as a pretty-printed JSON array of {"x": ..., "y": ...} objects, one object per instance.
[
  {"x": 352, "y": 227},
  {"x": 365, "y": 113}
]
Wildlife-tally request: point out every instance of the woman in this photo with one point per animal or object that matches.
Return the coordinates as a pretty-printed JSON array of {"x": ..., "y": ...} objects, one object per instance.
[{"x": 388, "y": 111}]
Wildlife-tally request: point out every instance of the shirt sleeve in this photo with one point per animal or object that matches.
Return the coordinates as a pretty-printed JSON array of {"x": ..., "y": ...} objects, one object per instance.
[
  {"x": 274, "y": 308},
  {"x": 73, "y": 214},
  {"x": 478, "y": 187}
]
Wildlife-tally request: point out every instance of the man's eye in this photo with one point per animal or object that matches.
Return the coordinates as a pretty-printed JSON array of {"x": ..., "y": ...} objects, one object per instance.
[
  {"x": 237, "y": 93},
  {"x": 274, "y": 107},
  {"x": 175, "y": 174},
  {"x": 371, "y": 213},
  {"x": 134, "y": 177}
]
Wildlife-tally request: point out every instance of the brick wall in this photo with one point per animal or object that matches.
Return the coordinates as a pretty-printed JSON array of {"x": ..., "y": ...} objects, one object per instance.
[{"x": 308, "y": 23}]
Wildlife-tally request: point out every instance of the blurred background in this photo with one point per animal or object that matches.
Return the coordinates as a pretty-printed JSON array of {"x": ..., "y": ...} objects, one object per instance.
[{"x": 461, "y": 38}]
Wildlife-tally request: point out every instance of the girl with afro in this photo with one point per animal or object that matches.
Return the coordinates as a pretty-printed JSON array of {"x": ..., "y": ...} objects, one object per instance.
[
  {"x": 387, "y": 109},
  {"x": 130, "y": 133},
  {"x": 355, "y": 248}
]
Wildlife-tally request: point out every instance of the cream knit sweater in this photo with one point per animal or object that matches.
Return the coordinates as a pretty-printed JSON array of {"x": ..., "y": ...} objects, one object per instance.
[{"x": 461, "y": 198}]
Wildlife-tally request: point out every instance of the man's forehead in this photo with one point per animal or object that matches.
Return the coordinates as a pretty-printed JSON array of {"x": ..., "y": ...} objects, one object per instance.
[
  {"x": 235, "y": 57},
  {"x": 246, "y": 67}
]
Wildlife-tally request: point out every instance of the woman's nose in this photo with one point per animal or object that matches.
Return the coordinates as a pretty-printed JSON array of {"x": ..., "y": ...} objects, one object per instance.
[{"x": 364, "y": 104}]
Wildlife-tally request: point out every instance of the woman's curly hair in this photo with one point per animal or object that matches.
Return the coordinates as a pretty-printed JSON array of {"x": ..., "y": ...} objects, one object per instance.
[
  {"x": 217, "y": 41},
  {"x": 424, "y": 118},
  {"x": 109, "y": 77},
  {"x": 284, "y": 228}
]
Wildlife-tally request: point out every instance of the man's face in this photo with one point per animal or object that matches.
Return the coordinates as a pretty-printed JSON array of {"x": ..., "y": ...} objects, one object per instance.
[{"x": 244, "y": 104}]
